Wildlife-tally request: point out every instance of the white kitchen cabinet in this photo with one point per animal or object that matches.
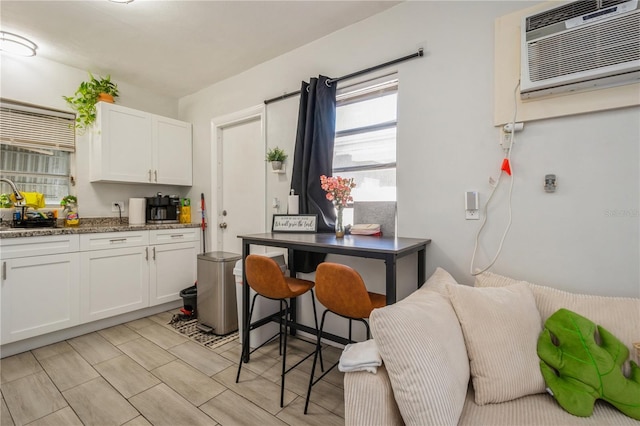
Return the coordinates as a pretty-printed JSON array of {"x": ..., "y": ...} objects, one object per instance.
[
  {"x": 121, "y": 145},
  {"x": 115, "y": 274},
  {"x": 50, "y": 283},
  {"x": 134, "y": 146},
  {"x": 40, "y": 292},
  {"x": 125, "y": 271},
  {"x": 172, "y": 157},
  {"x": 173, "y": 263}
]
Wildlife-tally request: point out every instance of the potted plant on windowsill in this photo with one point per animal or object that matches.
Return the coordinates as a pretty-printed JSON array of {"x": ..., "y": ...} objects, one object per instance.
[
  {"x": 276, "y": 157},
  {"x": 87, "y": 95}
]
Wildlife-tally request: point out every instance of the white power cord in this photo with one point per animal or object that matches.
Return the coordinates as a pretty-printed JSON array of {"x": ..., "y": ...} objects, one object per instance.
[{"x": 495, "y": 187}]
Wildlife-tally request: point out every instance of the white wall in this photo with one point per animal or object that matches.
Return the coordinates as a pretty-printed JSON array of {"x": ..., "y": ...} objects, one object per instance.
[
  {"x": 42, "y": 82},
  {"x": 584, "y": 237}
]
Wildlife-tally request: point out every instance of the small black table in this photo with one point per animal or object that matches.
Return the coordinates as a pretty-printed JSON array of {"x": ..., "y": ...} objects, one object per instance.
[{"x": 389, "y": 249}]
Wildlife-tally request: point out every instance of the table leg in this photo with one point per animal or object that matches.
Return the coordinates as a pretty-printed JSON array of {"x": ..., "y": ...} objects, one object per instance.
[
  {"x": 390, "y": 266},
  {"x": 293, "y": 309},
  {"x": 421, "y": 266},
  {"x": 245, "y": 303}
]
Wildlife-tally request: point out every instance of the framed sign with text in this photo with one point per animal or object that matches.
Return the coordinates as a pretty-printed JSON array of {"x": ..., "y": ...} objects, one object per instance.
[{"x": 294, "y": 223}]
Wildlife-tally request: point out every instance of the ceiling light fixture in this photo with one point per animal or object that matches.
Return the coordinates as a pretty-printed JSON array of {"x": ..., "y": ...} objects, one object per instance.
[
  {"x": 18, "y": 45},
  {"x": 121, "y": 1}
]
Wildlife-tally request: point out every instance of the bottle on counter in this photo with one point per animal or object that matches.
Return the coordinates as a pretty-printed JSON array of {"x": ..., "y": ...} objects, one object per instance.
[
  {"x": 185, "y": 210},
  {"x": 71, "y": 216}
]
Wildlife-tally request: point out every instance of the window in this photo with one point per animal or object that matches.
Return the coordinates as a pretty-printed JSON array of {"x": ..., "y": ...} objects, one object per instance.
[
  {"x": 365, "y": 143},
  {"x": 36, "y": 145}
]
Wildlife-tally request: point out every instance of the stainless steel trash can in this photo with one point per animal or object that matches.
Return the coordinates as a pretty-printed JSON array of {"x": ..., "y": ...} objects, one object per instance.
[{"x": 216, "y": 292}]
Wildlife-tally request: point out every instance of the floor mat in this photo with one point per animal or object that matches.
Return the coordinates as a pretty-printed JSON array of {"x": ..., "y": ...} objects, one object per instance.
[{"x": 189, "y": 327}]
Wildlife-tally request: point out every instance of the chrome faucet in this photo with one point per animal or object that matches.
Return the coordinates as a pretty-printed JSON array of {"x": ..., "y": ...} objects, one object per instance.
[{"x": 16, "y": 193}]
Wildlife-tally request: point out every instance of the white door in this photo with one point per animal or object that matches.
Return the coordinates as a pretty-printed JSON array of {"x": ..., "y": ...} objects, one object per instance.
[{"x": 241, "y": 178}]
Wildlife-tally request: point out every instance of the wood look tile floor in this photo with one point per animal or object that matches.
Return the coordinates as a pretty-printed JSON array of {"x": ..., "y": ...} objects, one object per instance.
[{"x": 143, "y": 373}]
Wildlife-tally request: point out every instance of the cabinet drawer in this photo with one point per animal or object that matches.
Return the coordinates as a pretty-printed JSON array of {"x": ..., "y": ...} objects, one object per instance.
[
  {"x": 38, "y": 246},
  {"x": 111, "y": 240},
  {"x": 165, "y": 236}
]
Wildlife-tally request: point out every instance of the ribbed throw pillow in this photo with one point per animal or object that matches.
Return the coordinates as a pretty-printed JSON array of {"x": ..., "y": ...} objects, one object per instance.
[
  {"x": 500, "y": 328},
  {"x": 619, "y": 315},
  {"x": 422, "y": 347}
]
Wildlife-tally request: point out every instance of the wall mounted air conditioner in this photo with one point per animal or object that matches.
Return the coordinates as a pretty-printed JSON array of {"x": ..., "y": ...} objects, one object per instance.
[{"x": 580, "y": 45}]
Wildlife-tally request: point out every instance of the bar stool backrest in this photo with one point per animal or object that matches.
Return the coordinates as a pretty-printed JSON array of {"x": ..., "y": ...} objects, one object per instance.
[
  {"x": 341, "y": 290},
  {"x": 266, "y": 278}
]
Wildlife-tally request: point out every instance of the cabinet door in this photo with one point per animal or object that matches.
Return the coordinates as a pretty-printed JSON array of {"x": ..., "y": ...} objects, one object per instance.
[
  {"x": 113, "y": 282},
  {"x": 173, "y": 268},
  {"x": 173, "y": 153},
  {"x": 40, "y": 294},
  {"x": 121, "y": 145}
]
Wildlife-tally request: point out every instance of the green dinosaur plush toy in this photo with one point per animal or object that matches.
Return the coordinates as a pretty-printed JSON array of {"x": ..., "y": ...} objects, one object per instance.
[{"x": 577, "y": 370}]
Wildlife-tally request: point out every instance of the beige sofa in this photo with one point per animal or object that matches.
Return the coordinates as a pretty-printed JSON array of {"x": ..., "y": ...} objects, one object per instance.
[{"x": 455, "y": 354}]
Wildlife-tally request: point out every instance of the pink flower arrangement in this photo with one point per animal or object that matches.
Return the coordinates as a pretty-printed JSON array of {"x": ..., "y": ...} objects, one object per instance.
[{"x": 338, "y": 189}]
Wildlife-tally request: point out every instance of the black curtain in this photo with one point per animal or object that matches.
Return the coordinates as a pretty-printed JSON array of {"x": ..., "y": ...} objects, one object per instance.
[{"x": 313, "y": 157}]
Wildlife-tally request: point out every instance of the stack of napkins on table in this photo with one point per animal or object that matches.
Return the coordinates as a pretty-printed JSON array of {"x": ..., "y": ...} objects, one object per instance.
[{"x": 366, "y": 229}]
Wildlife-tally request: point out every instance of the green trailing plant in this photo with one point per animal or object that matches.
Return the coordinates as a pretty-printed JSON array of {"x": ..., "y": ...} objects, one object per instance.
[
  {"x": 86, "y": 96},
  {"x": 276, "y": 154},
  {"x": 5, "y": 201}
]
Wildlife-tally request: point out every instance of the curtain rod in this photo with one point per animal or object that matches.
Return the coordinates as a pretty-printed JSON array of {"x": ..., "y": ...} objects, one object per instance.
[{"x": 418, "y": 54}]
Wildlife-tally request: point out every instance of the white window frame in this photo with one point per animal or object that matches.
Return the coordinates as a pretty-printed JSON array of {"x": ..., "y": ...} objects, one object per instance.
[{"x": 41, "y": 131}]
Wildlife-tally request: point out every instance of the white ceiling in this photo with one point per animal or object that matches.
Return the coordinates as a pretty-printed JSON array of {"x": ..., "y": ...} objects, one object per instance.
[{"x": 176, "y": 47}]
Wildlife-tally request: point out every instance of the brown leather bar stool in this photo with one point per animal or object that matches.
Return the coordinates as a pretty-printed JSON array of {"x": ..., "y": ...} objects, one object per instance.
[
  {"x": 267, "y": 280},
  {"x": 342, "y": 291}
]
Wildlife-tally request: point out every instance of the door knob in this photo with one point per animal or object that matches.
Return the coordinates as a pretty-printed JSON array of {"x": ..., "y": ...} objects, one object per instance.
[{"x": 223, "y": 225}]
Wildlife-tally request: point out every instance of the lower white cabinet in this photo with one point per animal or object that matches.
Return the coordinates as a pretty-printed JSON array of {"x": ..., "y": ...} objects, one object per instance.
[
  {"x": 39, "y": 293},
  {"x": 173, "y": 266},
  {"x": 127, "y": 271},
  {"x": 51, "y": 283},
  {"x": 114, "y": 281}
]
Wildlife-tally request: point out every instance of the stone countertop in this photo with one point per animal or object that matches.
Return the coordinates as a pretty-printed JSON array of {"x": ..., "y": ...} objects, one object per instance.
[{"x": 87, "y": 226}]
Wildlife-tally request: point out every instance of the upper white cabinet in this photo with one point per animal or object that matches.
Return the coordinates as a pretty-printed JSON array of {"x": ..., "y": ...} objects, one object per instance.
[
  {"x": 134, "y": 146},
  {"x": 172, "y": 158}
]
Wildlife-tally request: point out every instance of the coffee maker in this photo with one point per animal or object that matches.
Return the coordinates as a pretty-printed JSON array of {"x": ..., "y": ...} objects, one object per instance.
[{"x": 163, "y": 209}]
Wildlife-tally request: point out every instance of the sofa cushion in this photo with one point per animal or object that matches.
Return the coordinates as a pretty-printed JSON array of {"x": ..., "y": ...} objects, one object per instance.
[
  {"x": 537, "y": 410},
  {"x": 501, "y": 328},
  {"x": 369, "y": 400},
  {"x": 422, "y": 347},
  {"x": 619, "y": 315}
]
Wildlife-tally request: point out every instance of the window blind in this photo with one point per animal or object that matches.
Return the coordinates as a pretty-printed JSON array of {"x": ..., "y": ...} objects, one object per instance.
[{"x": 35, "y": 128}]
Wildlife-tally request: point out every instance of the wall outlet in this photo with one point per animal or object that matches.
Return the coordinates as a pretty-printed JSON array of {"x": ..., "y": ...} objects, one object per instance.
[
  {"x": 472, "y": 214},
  {"x": 115, "y": 204}
]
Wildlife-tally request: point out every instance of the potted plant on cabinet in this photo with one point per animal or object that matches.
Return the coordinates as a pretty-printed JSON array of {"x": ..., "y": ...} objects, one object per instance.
[
  {"x": 87, "y": 95},
  {"x": 276, "y": 156}
]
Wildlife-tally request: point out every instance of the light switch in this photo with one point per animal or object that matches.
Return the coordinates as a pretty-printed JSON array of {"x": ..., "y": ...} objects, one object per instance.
[{"x": 471, "y": 205}]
